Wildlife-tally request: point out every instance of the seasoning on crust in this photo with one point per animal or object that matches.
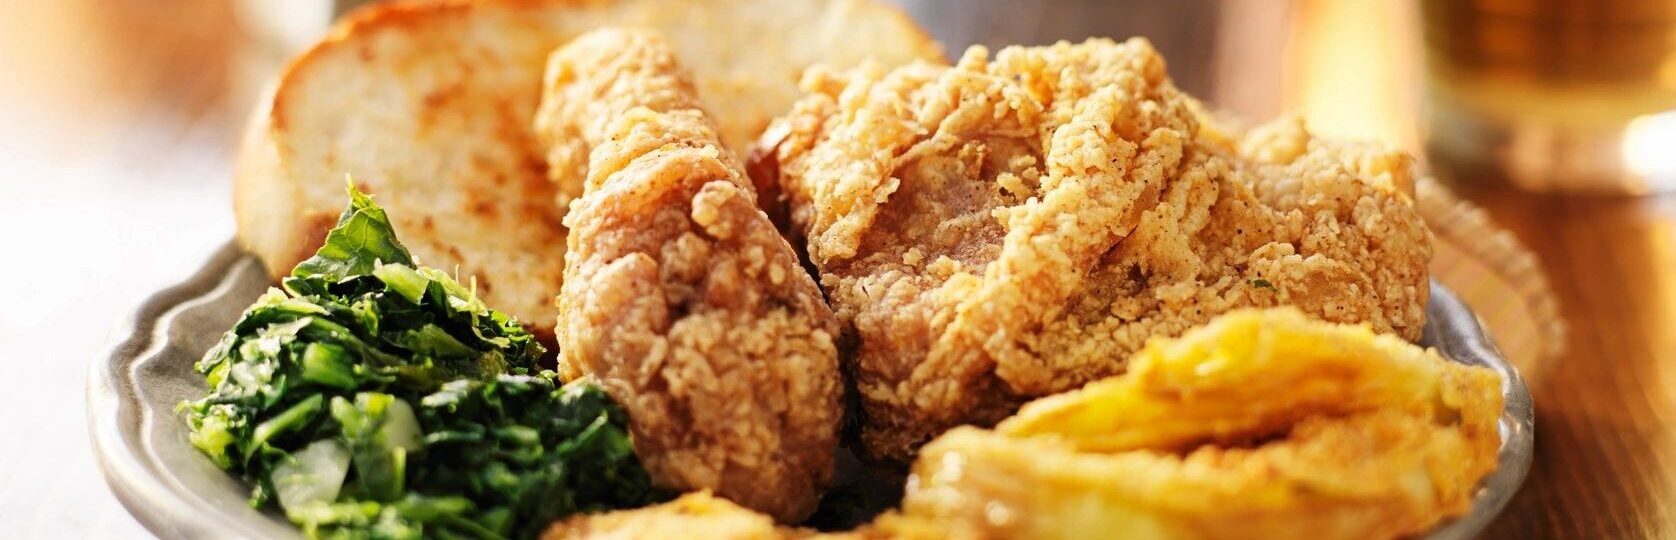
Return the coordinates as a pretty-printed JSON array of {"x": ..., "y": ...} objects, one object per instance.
[
  {"x": 679, "y": 295},
  {"x": 1002, "y": 230}
]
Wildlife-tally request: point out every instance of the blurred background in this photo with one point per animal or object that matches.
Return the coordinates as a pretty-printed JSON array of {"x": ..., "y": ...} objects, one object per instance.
[{"x": 1552, "y": 124}]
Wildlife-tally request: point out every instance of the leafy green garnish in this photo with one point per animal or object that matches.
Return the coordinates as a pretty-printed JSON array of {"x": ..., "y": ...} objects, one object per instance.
[
  {"x": 1262, "y": 284},
  {"x": 374, "y": 398},
  {"x": 362, "y": 239}
]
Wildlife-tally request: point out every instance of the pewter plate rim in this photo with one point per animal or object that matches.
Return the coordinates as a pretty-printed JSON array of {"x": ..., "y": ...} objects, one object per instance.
[{"x": 140, "y": 442}]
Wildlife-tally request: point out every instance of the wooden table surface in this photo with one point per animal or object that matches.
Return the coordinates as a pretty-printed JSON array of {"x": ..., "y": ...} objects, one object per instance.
[
  {"x": 118, "y": 121},
  {"x": 1605, "y": 462}
]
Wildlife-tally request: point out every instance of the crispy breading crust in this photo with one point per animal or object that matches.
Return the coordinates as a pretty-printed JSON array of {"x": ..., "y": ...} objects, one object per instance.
[
  {"x": 1007, "y": 229},
  {"x": 693, "y": 515},
  {"x": 679, "y": 295}
]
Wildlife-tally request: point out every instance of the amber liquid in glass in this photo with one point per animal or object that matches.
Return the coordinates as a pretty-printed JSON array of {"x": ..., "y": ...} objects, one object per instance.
[{"x": 1552, "y": 95}]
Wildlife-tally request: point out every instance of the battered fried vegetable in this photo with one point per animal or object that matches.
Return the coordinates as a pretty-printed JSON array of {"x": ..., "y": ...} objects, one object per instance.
[
  {"x": 1262, "y": 424},
  {"x": 1251, "y": 374}
]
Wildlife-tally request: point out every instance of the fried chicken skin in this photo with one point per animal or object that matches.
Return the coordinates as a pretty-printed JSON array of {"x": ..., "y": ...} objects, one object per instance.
[
  {"x": 680, "y": 297},
  {"x": 1001, "y": 230},
  {"x": 1262, "y": 424}
]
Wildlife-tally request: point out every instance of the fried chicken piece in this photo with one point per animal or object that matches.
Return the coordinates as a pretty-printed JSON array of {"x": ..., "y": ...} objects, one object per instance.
[
  {"x": 680, "y": 296},
  {"x": 1263, "y": 424},
  {"x": 1002, "y": 230}
]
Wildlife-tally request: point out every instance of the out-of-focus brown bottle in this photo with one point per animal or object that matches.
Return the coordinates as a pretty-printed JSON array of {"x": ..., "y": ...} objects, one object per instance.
[{"x": 1553, "y": 95}]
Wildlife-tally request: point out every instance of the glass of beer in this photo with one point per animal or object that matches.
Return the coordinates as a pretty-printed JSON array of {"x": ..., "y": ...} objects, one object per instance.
[{"x": 1552, "y": 95}]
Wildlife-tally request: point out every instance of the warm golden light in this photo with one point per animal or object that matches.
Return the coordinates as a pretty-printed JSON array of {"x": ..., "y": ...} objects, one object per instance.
[
  {"x": 1649, "y": 149},
  {"x": 1356, "y": 78}
]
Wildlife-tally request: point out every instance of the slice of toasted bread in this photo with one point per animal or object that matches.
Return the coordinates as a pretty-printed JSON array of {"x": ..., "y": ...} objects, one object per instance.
[{"x": 428, "y": 104}]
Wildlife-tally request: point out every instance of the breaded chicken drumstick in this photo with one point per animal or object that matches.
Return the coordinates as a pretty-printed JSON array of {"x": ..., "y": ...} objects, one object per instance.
[{"x": 680, "y": 296}]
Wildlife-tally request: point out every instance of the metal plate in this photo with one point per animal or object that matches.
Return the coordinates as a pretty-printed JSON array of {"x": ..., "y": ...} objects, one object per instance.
[{"x": 176, "y": 492}]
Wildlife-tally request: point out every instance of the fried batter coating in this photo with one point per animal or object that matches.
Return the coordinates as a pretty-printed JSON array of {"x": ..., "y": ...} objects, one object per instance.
[
  {"x": 1263, "y": 424},
  {"x": 694, "y": 515},
  {"x": 1002, "y": 230},
  {"x": 1250, "y": 373},
  {"x": 1381, "y": 474},
  {"x": 680, "y": 296},
  {"x": 699, "y": 515}
]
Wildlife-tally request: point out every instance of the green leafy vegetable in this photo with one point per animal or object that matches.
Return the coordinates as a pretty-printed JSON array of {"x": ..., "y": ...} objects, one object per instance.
[
  {"x": 374, "y": 398},
  {"x": 362, "y": 239},
  {"x": 1262, "y": 284}
]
